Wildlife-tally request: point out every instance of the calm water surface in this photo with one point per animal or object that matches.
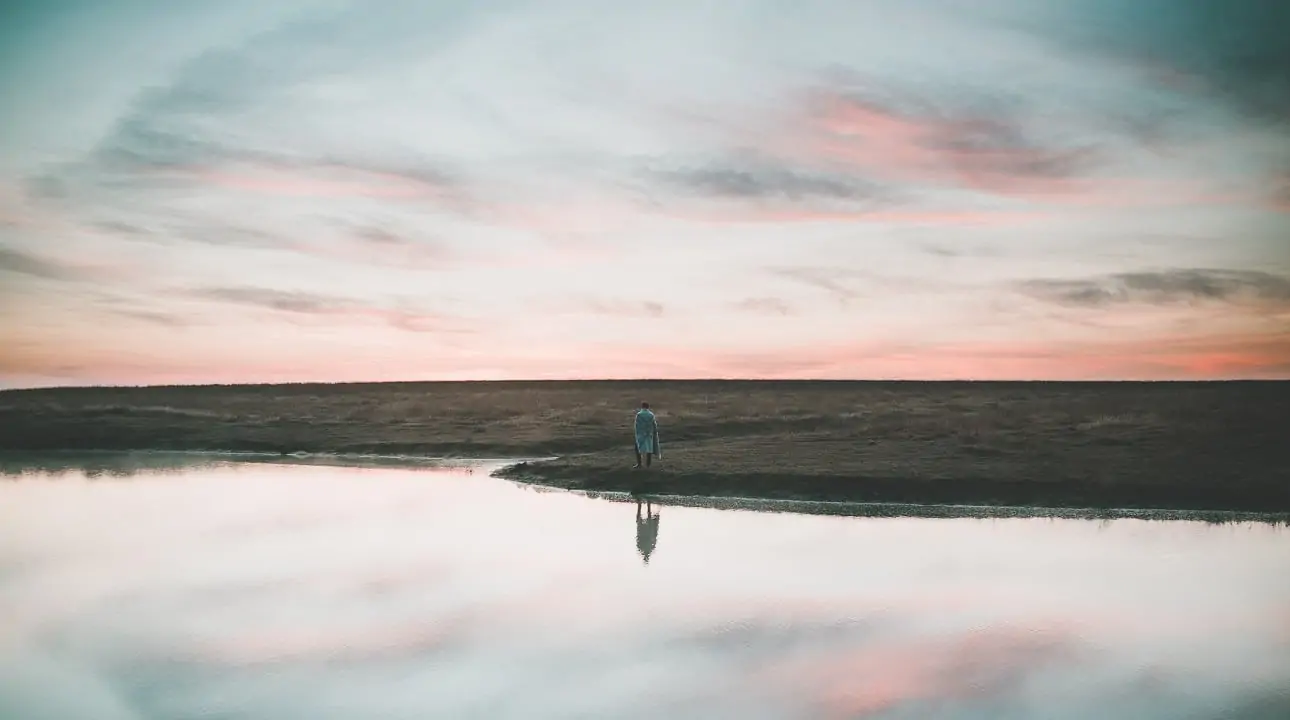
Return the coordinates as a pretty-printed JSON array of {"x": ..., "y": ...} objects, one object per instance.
[{"x": 239, "y": 590}]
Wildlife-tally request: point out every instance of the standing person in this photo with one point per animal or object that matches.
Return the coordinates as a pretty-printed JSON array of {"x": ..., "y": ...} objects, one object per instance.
[{"x": 646, "y": 436}]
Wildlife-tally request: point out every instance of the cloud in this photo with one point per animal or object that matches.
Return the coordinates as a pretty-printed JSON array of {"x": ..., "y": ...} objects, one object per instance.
[
  {"x": 960, "y": 250},
  {"x": 382, "y": 246},
  {"x": 625, "y": 308},
  {"x": 21, "y": 263},
  {"x": 45, "y": 186},
  {"x": 280, "y": 300},
  {"x": 753, "y": 188},
  {"x": 847, "y": 284},
  {"x": 203, "y": 114},
  {"x": 153, "y": 317},
  {"x": 836, "y": 282},
  {"x": 229, "y": 119},
  {"x": 379, "y": 236},
  {"x": 167, "y": 226},
  {"x": 121, "y": 227},
  {"x": 759, "y": 179},
  {"x": 222, "y": 233},
  {"x": 967, "y": 138},
  {"x": 331, "y": 306},
  {"x": 764, "y": 306},
  {"x": 1163, "y": 287},
  {"x": 356, "y": 242},
  {"x": 349, "y": 241}
]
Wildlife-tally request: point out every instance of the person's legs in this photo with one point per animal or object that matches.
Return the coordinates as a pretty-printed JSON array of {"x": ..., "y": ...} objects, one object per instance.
[
  {"x": 648, "y": 458},
  {"x": 638, "y": 456}
]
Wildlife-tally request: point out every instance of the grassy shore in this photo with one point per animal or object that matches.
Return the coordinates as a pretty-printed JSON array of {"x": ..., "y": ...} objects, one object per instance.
[{"x": 1202, "y": 446}]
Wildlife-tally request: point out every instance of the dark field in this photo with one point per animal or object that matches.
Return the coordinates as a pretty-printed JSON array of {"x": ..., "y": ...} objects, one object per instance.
[{"x": 1098, "y": 445}]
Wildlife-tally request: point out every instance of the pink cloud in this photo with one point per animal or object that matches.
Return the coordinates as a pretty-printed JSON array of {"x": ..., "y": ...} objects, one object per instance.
[{"x": 977, "y": 154}]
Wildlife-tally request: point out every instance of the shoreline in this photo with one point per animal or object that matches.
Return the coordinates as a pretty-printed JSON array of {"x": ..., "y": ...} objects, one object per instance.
[
  {"x": 929, "y": 512},
  {"x": 146, "y": 460},
  {"x": 1007, "y": 496},
  {"x": 516, "y": 470}
]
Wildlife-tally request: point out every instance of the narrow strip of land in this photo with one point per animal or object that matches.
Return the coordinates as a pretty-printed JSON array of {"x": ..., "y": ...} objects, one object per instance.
[{"x": 1190, "y": 446}]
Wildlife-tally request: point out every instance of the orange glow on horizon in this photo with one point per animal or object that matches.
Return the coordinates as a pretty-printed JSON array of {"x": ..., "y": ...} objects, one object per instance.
[{"x": 340, "y": 359}]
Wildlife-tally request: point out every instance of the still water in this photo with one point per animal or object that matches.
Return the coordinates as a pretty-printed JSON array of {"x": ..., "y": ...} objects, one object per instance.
[{"x": 244, "y": 590}]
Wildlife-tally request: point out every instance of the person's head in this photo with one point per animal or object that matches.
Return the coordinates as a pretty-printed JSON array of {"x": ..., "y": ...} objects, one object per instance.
[{"x": 645, "y": 406}]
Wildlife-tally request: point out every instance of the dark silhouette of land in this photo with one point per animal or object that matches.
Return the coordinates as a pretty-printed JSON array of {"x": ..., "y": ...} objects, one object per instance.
[{"x": 1202, "y": 446}]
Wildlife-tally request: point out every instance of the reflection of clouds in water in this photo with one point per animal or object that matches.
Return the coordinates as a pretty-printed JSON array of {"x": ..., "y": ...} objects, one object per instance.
[
  {"x": 332, "y": 644},
  {"x": 917, "y": 672},
  {"x": 34, "y": 685},
  {"x": 273, "y": 591}
]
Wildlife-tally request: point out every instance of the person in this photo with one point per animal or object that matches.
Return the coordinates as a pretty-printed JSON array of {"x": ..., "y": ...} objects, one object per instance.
[
  {"x": 646, "y": 531},
  {"x": 646, "y": 436}
]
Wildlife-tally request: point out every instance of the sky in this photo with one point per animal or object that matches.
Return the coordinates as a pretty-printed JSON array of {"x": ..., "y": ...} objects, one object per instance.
[{"x": 318, "y": 190}]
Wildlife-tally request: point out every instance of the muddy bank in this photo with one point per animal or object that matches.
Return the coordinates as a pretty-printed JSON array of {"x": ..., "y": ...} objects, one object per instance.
[
  {"x": 912, "y": 510},
  {"x": 1064, "y": 493}
]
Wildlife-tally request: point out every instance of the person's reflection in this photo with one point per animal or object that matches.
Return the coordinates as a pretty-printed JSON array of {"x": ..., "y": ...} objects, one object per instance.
[{"x": 646, "y": 530}]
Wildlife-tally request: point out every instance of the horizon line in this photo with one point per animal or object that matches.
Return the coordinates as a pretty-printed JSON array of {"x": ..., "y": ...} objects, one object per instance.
[{"x": 628, "y": 381}]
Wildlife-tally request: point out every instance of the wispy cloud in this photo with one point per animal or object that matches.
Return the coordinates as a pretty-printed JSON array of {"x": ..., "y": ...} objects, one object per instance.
[
  {"x": 961, "y": 250},
  {"x": 846, "y": 284},
  {"x": 280, "y": 300},
  {"x": 152, "y": 317},
  {"x": 22, "y": 263},
  {"x": 1163, "y": 287},
  {"x": 985, "y": 144},
  {"x": 120, "y": 227},
  {"x": 764, "y": 306},
  {"x": 623, "y": 308},
  {"x": 400, "y": 316},
  {"x": 381, "y": 245},
  {"x": 215, "y": 126},
  {"x": 752, "y": 178},
  {"x": 843, "y": 285},
  {"x": 379, "y": 236}
]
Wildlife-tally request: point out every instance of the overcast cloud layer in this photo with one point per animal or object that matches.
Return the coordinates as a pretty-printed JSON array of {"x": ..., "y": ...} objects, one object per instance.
[{"x": 325, "y": 190}]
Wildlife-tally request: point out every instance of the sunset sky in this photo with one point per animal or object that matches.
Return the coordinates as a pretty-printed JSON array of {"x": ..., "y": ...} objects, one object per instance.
[{"x": 299, "y": 190}]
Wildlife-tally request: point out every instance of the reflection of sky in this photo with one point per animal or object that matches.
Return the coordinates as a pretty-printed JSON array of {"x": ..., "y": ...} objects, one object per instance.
[
  {"x": 332, "y": 190},
  {"x": 281, "y": 591}
]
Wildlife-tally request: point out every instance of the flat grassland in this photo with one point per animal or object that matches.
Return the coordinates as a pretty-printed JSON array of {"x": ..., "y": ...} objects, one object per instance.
[{"x": 1198, "y": 446}]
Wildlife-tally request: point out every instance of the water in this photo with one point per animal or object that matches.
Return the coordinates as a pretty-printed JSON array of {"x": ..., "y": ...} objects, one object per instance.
[{"x": 244, "y": 590}]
